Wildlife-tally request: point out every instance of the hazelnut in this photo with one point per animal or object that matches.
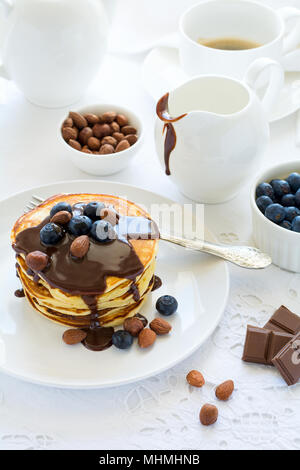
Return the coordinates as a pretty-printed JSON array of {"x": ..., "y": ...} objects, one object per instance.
[
  {"x": 122, "y": 120},
  {"x": 101, "y": 130},
  {"x": 109, "y": 116},
  {"x": 37, "y": 260},
  {"x": 93, "y": 143},
  {"x": 118, "y": 136},
  {"x": 115, "y": 127},
  {"x": 84, "y": 135},
  {"x": 123, "y": 145},
  {"x": 131, "y": 138},
  {"x": 208, "y": 414},
  {"x": 133, "y": 325},
  {"x": 109, "y": 140},
  {"x": 106, "y": 149}
]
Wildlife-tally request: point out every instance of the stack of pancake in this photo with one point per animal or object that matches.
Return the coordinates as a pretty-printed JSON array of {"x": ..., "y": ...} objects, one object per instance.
[{"x": 122, "y": 296}]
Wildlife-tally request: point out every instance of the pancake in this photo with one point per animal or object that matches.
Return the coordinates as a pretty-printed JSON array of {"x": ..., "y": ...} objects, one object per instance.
[{"x": 110, "y": 283}]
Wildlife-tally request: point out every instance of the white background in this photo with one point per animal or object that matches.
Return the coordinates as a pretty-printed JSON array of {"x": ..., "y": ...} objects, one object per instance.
[{"x": 162, "y": 412}]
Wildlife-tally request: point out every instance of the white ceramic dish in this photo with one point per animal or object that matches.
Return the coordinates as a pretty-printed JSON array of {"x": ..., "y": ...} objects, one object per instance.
[
  {"x": 31, "y": 347},
  {"x": 161, "y": 72},
  {"x": 281, "y": 244},
  {"x": 103, "y": 165}
]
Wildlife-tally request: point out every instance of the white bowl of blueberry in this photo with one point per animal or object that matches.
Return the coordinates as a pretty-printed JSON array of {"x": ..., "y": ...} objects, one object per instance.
[{"x": 275, "y": 202}]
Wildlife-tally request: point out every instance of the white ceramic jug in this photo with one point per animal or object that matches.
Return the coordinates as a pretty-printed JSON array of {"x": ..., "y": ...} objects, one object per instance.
[
  {"x": 52, "y": 49},
  {"x": 212, "y": 131}
]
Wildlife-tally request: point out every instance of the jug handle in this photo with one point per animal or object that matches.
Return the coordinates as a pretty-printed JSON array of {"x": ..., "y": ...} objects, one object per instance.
[
  {"x": 292, "y": 39},
  {"x": 275, "y": 80},
  {"x": 5, "y": 9}
]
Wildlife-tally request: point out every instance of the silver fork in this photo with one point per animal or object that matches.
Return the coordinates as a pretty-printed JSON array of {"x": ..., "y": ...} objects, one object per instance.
[{"x": 243, "y": 256}]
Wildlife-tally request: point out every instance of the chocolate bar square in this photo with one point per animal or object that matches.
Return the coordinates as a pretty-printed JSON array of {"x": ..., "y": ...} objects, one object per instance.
[
  {"x": 284, "y": 320},
  {"x": 287, "y": 361},
  {"x": 262, "y": 345}
]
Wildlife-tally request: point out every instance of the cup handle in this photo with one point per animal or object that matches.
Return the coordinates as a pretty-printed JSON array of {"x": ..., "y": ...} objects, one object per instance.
[
  {"x": 292, "y": 39},
  {"x": 275, "y": 79}
]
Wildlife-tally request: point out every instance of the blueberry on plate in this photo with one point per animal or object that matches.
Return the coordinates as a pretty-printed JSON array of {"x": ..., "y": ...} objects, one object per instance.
[
  {"x": 80, "y": 225},
  {"x": 264, "y": 189},
  {"x": 51, "y": 234},
  {"x": 263, "y": 202},
  {"x": 297, "y": 198},
  {"x": 122, "y": 339},
  {"x": 286, "y": 224},
  {"x": 288, "y": 200},
  {"x": 60, "y": 206},
  {"x": 166, "y": 305},
  {"x": 291, "y": 213},
  {"x": 102, "y": 231},
  {"x": 296, "y": 224},
  {"x": 275, "y": 213},
  {"x": 294, "y": 181},
  {"x": 280, "y": 187},
  {"x": 93, "y": 209}
]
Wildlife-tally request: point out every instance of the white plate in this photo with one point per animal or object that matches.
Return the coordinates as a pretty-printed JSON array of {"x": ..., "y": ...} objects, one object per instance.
[
  {"x": 31, "y": 347},
  {"x": 161, "y": 72}
]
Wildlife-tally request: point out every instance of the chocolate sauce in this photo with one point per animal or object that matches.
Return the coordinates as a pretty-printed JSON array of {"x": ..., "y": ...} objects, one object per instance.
[
  {"x": 162, "y": 111},
  {"x": 98, "y": 339},
  {"x": 19, "y": 293},
  {"x": 157, "y": 283},
  {"x": 135, "y": 292}
]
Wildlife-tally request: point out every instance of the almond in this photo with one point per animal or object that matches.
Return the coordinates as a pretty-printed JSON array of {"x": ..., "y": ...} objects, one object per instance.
[
  {"x": 93, "y": 143},
  {"x": 126, "y": 130},
  {"x": 80, "y": 246},
  {"x": 131, "y": 138},
  {"x": 106, "y": 149},
  {"x": 101, "y": 130},
  {"x": 160, "y": 326},
  {"x": 78, "y": 119},
  {"x": 208, "y": 414},
  {"x": 115, "y": 127},
  {"x": 37, "y": 260},
  {"x": 69, "y": 133},
  {"x": 146, "y": 338},
  {"x": 68, "y": 122},
  {"x": 122, "y": 120},
  {"x": 195, "y": 378},
  {"x": 224, "y": 390},
  {"x": 74, "y": 336},
  {"x": 76, "y": 145},
  {"x": 109, "y": 140},
  {"x": 84, "y": 135},
  {"x": 92, "y": 118},
  {"x": 118, "y": 136},
  {"x": 61, "y": 217},
  {"x": 133, "y": 325},
  {"x": 123, "y": 145},
  {"x": 109, "y": 116}
]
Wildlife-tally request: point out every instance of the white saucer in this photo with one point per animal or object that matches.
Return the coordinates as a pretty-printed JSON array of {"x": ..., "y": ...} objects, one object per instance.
[
  {"x": 161, "y": 72},
  {"x": 31, "y": 347}
]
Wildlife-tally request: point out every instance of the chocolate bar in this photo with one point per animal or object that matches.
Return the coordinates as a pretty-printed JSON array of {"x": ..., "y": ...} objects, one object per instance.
[
  {"x": 284, "y": 320},
  {"x": 262, "y": 345},
  {"x": 287, "y": 361}
]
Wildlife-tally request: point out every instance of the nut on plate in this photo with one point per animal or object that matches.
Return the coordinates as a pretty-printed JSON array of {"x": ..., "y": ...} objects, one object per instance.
[
  {"x": 195, "y": 378},
  {"x": 160, "y": 326},
  {"x": 208, "y": 414},
  {"x": 224, "y": 390},
  {"x": 146, "y": 338},
  {"x": 61, "y": 217},
  {"x": 74, "y": 336},
  {"x": 133, "y": 326}
]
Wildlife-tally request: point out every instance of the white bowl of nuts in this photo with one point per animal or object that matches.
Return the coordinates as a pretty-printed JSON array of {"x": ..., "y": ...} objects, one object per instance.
[{"x": 101, "y": 139}]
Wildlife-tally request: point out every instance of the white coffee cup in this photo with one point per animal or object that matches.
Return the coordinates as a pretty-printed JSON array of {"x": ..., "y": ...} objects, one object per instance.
[{"x": 242, "y": 19}]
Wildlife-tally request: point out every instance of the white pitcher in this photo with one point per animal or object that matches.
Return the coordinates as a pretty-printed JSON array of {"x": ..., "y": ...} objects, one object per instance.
[
  {"x": 212, "y": 131},
  {"x": 52, "y": 49}
]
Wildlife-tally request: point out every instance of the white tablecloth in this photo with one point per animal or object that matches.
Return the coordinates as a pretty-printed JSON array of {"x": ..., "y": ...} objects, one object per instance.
[{"x": 160, "y": 412}]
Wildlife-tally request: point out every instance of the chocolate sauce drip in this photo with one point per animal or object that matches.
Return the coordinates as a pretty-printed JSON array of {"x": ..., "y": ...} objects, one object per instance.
[
  {"x": 98, "y": 339},
  {"x": 157, "y": 283},
  {"x": 135, "y": 292},
  {"x": 19, "y": 293},
  {"x": 162, "y": 111}
]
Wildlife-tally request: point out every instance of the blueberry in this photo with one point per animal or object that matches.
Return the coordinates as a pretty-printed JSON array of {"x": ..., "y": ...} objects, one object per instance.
[
  {"x": 122, "y": 339},
  {"x": 296, "y": 224},
  {"x": 280, "y": 187},
  {"x": 288, "y": 200},
  {"x": 297, "y": 198},
  {"x": 51, "y": 234},
  {"x": 294, "y": 181},
  {"x": 264, "y": 189},
  {"x": 80, "y": 225},
  {"x": 61, "y": 206},
  {"x": 102, "y": 231},
  {"x": 166, "y": 305},
  {"x": 286, "y": 224},
  {"x": 275, "y": 213},
  {"x": 263, "y": 202},
  {"x": 291, "y": 213},
  {"x": 93, "y": 209}
]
